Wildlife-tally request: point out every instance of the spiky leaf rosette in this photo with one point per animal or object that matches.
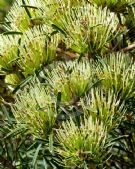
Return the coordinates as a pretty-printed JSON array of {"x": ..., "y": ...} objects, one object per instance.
[
  {"x": 82, "y": 146},
  {"x": 104, "y": 106},
  {"x": 37, "y": 49},
  {"x": 49, "y": 9},
  {"x": 118, "y": 72},
  {"x": 89, "y": 29},
  {"x": 8, "y": 51},
  {"x": 23, "y": 14},
  {"x": 73, "y": 80},
  {"x": 36, "y": 108}
]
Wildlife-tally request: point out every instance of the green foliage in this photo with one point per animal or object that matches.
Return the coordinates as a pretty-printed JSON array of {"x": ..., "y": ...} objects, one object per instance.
[
  {"x": 37, "y": 49},
  {"x": 120, "y": 78},
  {"x": 83, "y": 146},
  {"x": 36, "y": 108},
  {"x": 89, "y": 28},
  {"x": 9, "y": 49},
  {"x": 105, "y": 106},
  {"x": 65, "y": 78},
  {"x": 67, "y": 85}
]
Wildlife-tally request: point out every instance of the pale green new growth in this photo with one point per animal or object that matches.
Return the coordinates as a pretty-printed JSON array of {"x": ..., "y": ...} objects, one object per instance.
[
  {"x": 8, "y": 51},
  {"x": 18, "y": 18},
  {"x": 37, "y": 109},
  {"x": 84, "y": 142},
  {"x": 37, "y": 49},
  {"x": 72, "y": 80},
  {"x": 120, "y": 78},
  {"x": 104, "y": 106},
  {"x": 88, "y": 28}
]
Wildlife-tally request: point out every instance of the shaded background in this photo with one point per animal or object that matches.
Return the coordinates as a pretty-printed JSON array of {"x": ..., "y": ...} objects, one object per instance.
[{"x": 4, "y": 7}]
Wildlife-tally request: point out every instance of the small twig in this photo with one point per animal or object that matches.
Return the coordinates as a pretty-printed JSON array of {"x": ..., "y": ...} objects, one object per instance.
[
  {"x": 130, "y": 47},
  {"x": 67, "y": 53},
  {"x": 73, "y": 55}
]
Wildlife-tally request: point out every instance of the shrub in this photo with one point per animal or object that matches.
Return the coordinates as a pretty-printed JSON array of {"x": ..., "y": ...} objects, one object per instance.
[{"x": 67, "y": 85}]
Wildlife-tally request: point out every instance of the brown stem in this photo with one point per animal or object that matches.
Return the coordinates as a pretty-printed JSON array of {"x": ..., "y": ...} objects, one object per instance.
[
  {"x": 67, "y": 53},
  {"x": 130, "y": 47},
  {"x": 73, "y": 55}
]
